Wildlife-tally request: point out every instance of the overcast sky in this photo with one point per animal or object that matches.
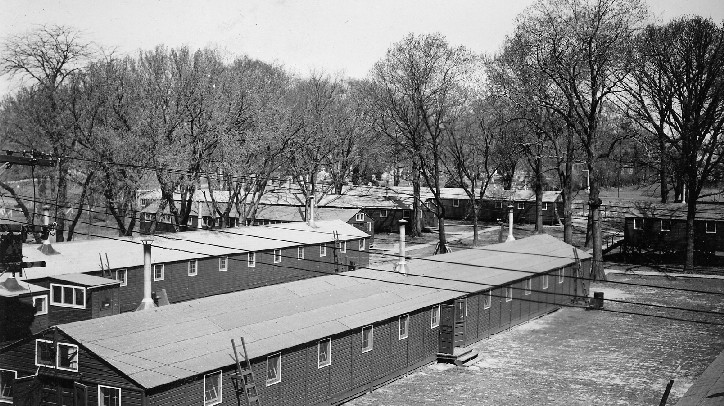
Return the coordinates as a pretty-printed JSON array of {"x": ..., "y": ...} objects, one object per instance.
[{"x": 335, "y": 36}]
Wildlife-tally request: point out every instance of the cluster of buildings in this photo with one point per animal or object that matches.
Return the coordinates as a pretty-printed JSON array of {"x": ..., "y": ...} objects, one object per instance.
[{"x": 311, "y": 339}]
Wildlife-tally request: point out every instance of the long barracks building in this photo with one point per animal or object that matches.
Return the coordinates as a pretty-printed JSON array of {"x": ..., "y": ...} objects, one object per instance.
[
  {"x": 97, "y": 278},
  {"x": 314, "y": 341}
]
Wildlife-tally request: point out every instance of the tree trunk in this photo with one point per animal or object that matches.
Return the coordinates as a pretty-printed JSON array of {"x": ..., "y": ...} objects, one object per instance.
[
  {"x": 595, "y": 209},
  {"x": 415, "y": 216},
  {"x": 663, "y": 176},
  {"x": 442, "y": 239},
  {"x": 62, "y": 200},
  {"x": 538, "y": 196}
]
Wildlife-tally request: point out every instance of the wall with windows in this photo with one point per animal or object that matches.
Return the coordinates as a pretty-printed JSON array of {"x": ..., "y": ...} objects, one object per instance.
[
  {"x": 212, "y": 279},
  {"x": 669, "y": 234},
  {"x": 63, "y": 366}
]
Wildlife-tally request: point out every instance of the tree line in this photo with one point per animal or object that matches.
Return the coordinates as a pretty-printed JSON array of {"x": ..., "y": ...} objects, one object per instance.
[{"x": 575, "y": 81}]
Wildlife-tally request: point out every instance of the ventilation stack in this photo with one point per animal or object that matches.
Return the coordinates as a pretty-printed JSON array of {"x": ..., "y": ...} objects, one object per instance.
[
  {"x": 401, "y": 265},
  {"x": 147, "y": 302}
]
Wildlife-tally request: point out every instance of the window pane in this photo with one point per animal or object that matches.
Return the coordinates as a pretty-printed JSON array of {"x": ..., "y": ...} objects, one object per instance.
[
  {"x": 212, "y": 388},
  {"x": 7, "y": 380},
  {"x": 67, "y": 295},
  {"x": 79, "y": 296},
  {"x": 109, "y": 396},
  {"x": 273, "y": 369},
  {"x": 68, "y": 356},
  {"x": 57, "y": 294},
  {"x": 44, "y": 354}
]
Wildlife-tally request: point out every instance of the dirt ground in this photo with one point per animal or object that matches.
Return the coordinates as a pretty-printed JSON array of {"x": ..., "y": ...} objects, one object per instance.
[{"x": 578, "y": 357}]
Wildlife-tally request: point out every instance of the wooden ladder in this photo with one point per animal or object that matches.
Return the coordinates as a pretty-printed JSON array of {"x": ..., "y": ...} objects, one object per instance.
[{"x": 244, "y": 380}]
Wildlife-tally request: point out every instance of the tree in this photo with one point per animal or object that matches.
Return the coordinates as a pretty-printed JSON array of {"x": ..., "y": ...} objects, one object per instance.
[
  {"x": 677, "y": 95},
  {"x": 583, "y": 48},
  {"x": 418, "y": 88},
  {"x": 47, "y": 57}
]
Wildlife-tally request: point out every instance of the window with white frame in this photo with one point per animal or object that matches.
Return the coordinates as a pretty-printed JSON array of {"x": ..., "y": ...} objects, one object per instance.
[
  {"x": 324, "y": 353},
  {"x": 223, "y": 264},
  {"x": 638, "y": 224},
  {"x": 121, "y": 275},
  {"x": 300, "y": 252},
  {"x": 7, "y": 383},
  {"x": 456, "y": 203},
  {"x": 158, "y": 270},
  {"x": 109, "y": 396},
  {"x": 561, "y": 274},
  {"x": 383, "y": 213},
  {"x": 362, "y": 244},
  {"x": 322, "y": 250},
  {"x": 405, "y": 214},
  {"x": 359, "y": 217},
  {"x": 527, "y": 285},
  {"x": 67, "y": 357},
  {"x": 521, "y": 205},
  {"x": 487, "y": 299},
  {"x": 710, "y": 227},
  {"x": 40, "y": 303},
  {"x": 367, "y": 338},
  {"x": 192, "y": 268},
  {"x": 251, "y": 259},
  {"x": 665, "y": 225},
  {"x": 544, "y": 207},
  {"x": 544, "y": 283},
  {"x": 435, "y": 316},
  {"x": 273, "y": 369},
  {"x": 508, "y": 293},
  {"x": 369, "y": 227},
  {"x": 403, "y": 323},
  {"x": 44, "y": 353},
  {"x": 67, "y": 296},
  {"x": 498, "y": 204},
  {"x": 149, "y": 216},
  {"x": 212, "y": 388},
  {"x": 277, "y": 256}
]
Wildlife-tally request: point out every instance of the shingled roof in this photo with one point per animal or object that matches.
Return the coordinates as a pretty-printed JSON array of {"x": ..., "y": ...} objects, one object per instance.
[{"x": 170, "y": 343}]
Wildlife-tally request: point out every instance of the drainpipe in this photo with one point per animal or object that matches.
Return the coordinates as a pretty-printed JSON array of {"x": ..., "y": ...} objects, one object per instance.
[
  {"x": 147, "y": 302},
  {"x": 510, "y": 224},
  {"x": 401, "y": 265}
]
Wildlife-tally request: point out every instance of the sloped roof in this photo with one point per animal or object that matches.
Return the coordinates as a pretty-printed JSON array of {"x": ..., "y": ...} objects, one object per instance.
[
  {"x": 676, "y": 211},
  {"x": 296, "y": 213},
  {"x": 125, "y": 252},
  {"x": 523, "y": 195},
  {"x": 169, "y": 343}
]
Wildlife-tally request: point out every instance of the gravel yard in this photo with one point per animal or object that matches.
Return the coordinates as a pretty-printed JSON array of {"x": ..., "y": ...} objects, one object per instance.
[{"x": 578, "y": 357}]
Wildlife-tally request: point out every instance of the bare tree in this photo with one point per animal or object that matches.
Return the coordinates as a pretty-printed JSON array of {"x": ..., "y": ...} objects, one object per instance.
[
  {"x": 677, "y": 95},
  {"x": 46, "y": 57},
  {"x": 583, "y": 48},
  {"x": 419, "y": 84}
]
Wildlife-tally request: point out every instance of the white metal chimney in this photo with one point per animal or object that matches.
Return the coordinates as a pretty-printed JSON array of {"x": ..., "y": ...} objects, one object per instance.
[
  {"x": 147, "y": 302},
  {"x": 401, "y": 265}
]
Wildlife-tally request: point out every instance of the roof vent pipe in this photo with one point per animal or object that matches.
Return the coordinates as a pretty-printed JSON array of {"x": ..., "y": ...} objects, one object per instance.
[
  {"x": 147, "y": 302},
  {"x": 45, "y": 247},
  {"x": 510, "y": 224},
  {"x": 401, "y": 265}
]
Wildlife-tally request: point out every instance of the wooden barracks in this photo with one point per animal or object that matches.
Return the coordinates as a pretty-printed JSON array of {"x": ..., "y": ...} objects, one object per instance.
[{"x": 312, "y": 341}]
